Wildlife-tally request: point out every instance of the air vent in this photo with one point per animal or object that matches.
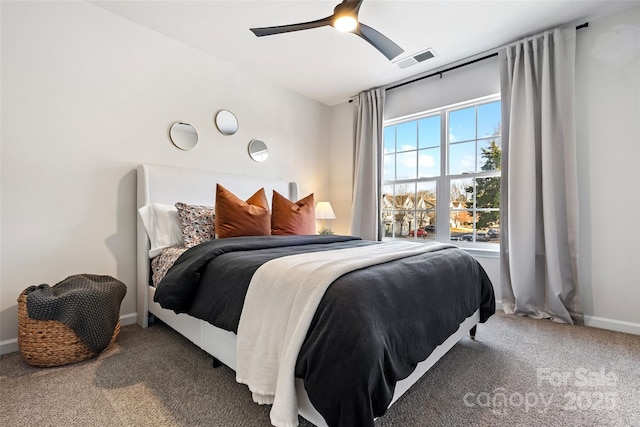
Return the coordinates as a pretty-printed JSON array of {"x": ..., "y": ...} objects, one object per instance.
[{"x": 416, "y": 58}]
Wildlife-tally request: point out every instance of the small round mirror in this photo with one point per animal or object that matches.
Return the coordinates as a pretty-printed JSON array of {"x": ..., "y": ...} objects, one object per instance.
[
  {"x": 258, "y": 150},
  {"x": 183, "y": 135},
  {"x": 226, "y": 122}
]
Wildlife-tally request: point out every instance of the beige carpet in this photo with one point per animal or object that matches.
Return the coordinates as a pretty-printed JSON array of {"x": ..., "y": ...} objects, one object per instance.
[{"x": 518, "y": 372}]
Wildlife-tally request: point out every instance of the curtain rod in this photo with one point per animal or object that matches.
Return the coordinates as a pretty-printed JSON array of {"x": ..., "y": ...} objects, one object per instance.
[{"x": 455, "y": 67}]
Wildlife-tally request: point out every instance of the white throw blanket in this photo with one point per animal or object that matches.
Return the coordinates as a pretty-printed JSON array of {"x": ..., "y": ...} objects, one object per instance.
[{"x": 278, "y": 309}]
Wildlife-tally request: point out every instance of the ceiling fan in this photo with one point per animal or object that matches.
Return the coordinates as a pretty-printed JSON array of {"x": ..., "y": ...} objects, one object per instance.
[{"x": 344, "y": 18}]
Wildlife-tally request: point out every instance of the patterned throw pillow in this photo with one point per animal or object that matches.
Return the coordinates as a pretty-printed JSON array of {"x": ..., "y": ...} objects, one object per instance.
[
  {"x": 197, "y": 222},
  {"x": 163, "y": 262}
]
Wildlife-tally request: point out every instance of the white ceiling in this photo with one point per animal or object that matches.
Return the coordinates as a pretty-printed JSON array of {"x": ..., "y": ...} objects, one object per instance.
[{"x": 329, "y": 66}]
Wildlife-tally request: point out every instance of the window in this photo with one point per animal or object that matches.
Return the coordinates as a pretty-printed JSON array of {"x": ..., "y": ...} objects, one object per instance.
[{"x": 441, "y": 177}]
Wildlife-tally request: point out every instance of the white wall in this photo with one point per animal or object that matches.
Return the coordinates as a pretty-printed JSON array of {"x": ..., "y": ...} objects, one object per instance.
[
  {"x": 341, "y": 161},
  {"x": 469, "y": 82},
  {"x": 608, "y": 123},
  {"x": 86, "y": 97}
]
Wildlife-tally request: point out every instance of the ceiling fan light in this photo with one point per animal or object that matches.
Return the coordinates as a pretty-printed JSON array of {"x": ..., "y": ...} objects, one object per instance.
[{"x": 345, "y": 23}]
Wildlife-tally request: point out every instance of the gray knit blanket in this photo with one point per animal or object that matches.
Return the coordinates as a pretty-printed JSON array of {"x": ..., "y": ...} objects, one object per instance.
[{"x": 87, "y": 303}]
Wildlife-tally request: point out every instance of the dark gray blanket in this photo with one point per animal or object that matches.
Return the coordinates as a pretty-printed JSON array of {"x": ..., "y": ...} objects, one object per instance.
[
  {"x": 87, "y": 303},
  {"x": 371, "y": 328}
]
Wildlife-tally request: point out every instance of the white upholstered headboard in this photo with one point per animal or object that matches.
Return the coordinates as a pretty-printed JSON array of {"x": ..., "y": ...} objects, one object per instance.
[{"x": 168, "y": 185}]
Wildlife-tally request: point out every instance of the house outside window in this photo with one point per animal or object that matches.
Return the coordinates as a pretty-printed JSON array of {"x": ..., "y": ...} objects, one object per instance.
[{"x": 441, "y": 175}]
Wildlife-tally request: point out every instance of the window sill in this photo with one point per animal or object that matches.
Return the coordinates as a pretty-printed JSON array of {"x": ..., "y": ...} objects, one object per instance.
[
  {"x": 482, "y": 252},
  {"x": 480, "y": 249}
]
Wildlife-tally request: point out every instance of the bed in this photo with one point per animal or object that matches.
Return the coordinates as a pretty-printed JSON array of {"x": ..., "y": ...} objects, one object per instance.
[{"x": 317, "y": 371}]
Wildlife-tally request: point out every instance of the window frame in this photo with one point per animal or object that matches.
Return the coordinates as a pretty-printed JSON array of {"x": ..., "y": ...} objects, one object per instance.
[{"x": 444, "y": 179}]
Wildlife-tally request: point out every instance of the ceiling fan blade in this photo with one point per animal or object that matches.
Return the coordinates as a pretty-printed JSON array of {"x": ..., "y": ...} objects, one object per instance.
[
  {"x": 387, "y": 47},
  {"x": 267, "y": 31},
  {"x": 348, "y": 6}
]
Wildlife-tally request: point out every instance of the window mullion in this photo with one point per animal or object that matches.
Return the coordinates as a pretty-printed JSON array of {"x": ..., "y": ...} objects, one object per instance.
[{"x": 444, "y": 193}]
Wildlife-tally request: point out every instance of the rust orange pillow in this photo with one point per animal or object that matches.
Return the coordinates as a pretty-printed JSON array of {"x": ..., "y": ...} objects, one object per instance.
[
  {"x": 292, "y": 218},
  {"x": 235, "y": 217}
]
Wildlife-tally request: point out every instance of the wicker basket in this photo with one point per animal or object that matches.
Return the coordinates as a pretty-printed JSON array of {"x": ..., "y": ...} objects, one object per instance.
[{"x": 46, "y": 343}]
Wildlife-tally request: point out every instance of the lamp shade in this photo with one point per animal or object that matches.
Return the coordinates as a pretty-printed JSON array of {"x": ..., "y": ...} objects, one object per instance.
[{"x": 324, "y": 211}]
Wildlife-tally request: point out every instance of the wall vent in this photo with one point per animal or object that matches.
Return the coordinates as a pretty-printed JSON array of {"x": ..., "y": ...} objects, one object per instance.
[{"x": 416, "y": 58}]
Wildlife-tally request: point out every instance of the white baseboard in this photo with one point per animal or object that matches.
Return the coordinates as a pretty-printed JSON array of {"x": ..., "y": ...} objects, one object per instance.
[
  {"x": 11, "y": 345},
  {"x": 128, "y": 319},
  {"x": 600, "y": 322},
  {"x": 8, "y": 346},
  {"x": 612, "y": 325}
]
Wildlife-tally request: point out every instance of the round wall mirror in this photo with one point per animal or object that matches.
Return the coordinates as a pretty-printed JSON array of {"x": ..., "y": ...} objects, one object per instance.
[
  {"x": 258, "y": 150},
  {"x": 226, "y": 122},
  {"x": 183, "y": 135}
]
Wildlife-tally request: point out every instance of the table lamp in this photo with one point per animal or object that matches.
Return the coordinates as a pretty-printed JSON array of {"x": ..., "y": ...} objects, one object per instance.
[{"x": 323, "y": 212}]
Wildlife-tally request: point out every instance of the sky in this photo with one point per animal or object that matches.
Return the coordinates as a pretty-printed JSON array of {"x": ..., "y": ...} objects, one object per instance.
[{"x": 417, "y": 143}]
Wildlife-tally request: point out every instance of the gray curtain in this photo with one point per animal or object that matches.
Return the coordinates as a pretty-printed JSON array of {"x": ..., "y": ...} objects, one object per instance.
[
  {"x": 539, "y": 215},
  {"x": 365, "y": 207}
]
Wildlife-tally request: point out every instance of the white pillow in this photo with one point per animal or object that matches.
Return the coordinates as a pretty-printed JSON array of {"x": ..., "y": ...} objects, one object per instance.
[{"x": 162, "y": 225}]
